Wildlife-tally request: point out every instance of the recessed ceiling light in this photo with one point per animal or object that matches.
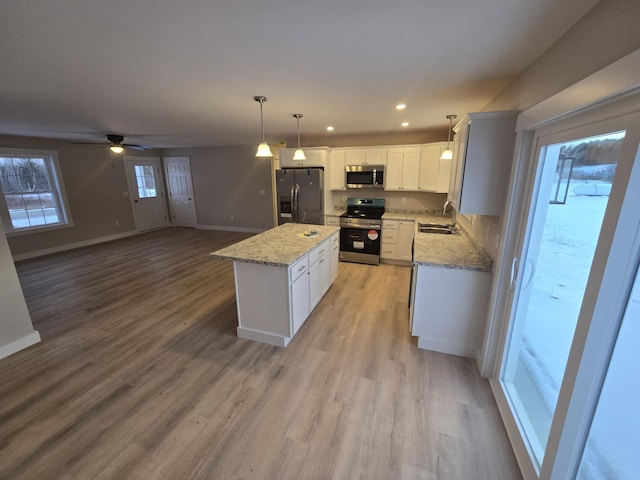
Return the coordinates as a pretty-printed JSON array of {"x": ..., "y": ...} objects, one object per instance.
[
  {"x": 405, "y": 124},
  {"x": 401, "y": 106},
  {"x": 330, "y": 128}
]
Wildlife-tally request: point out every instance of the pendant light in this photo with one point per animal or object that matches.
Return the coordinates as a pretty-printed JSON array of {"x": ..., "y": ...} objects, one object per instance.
[
  {"x": 448, "y": 153},
  {"x": 298, "y": 154},
  {"x": 263, "y": 148}
]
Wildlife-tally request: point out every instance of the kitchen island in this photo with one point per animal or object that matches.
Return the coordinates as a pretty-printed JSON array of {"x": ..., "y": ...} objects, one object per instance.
[{"x": 280, "y": 276}]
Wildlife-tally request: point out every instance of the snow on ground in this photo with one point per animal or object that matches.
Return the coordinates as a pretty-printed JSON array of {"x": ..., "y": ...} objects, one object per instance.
[{"x": 566, "y": 253}]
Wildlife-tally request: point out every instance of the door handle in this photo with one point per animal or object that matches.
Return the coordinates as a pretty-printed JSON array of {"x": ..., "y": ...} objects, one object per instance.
[
  {"x": 190, "y": 199},
  {"x": 136, "y": 201}
]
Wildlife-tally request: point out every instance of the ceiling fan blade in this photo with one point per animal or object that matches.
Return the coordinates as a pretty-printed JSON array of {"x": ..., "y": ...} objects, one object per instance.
[{"x": 137, "y": 147}]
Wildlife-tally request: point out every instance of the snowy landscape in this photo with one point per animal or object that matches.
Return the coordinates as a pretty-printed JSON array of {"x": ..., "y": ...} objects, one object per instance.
[{"x": 569, "y": 239}]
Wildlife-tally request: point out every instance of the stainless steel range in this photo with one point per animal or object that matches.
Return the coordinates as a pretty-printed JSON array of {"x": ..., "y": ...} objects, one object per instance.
[{"x": 360, "y": 229}]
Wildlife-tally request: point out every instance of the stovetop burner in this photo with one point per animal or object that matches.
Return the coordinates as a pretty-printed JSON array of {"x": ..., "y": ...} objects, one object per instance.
[{"x": 364, "y": 208}]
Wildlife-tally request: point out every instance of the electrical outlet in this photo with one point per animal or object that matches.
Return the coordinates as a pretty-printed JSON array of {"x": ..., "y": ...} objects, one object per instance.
[
  {"x": 125, "y": 194},
  {"x": 344, "y": 198},
  {"x": 263, "y": 192},
  {"x": 404, "y": 200},
  {"x": 497, "y": 240},
  {"x": 231, "y": 216},
  {"x": 117, "y": 223}
]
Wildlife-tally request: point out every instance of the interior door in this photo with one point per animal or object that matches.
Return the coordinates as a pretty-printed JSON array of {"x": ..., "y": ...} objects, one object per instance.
[
  {"x": 180, "y": 184},
  {"x": 144, "y": 176}
]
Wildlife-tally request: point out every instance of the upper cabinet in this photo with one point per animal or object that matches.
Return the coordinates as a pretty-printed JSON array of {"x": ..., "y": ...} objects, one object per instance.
[
  {"x": 482, "y": 155},
  {"x": 316, "y": 157},
  {"x": 403, "y": 167},
  {"x": 336, "y": 170},
  {"x": 434, "y": 172},
  {"x": 365, "y": 156}
]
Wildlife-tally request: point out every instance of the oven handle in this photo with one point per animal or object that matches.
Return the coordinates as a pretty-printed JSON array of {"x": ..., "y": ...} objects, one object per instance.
[{"x": 361, "y": 227}]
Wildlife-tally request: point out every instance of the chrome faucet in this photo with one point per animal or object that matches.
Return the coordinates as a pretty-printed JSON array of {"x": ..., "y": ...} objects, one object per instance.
[{"x": 453, "y": 213}]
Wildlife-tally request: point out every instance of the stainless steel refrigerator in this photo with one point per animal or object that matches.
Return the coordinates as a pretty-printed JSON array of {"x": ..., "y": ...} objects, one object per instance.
[{"x": 299, "y": 195}]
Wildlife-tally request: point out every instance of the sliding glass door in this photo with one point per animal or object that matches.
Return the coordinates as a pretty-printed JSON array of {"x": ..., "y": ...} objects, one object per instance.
[
  {"x": 576, "y": 251},
  {"x": 573, "y": 184}
]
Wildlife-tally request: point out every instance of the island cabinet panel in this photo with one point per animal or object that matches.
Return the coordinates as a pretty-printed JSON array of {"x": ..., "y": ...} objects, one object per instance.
[
  {"x": 448, "y": 309},
  {"x": 262, "y": 296},
  {"x": 274, "y": 301}
]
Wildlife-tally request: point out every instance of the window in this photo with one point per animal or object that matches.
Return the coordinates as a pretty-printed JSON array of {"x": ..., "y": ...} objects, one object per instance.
[{"x": 32, "y": 191}]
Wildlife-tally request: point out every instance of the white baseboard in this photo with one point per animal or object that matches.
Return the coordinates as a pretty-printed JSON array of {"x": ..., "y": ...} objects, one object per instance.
[
  {"x": 71, "y": 246},
  {"x": 451, "y": 348},
  {"x": 20, "y": 344},
  {"x": 230, "y": 229},
  {"x": 263, "y": 337}
]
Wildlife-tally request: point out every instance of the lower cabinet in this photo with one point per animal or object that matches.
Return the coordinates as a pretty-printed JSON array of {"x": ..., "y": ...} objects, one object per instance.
[
  {"x": 274, "y": 302},
  {"x": 397, "y": 241},
  {"x": 448, "y": 309}
]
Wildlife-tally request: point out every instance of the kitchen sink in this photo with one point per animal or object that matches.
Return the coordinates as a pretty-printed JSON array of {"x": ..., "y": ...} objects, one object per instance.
[{"x": 437, "y": 228}]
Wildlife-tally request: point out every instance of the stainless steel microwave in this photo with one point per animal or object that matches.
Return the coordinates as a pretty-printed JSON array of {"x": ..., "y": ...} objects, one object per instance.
[{"x": 364, "y": 176}]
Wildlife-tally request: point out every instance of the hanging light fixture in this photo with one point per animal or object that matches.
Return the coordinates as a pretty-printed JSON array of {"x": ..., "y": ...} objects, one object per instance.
[
  {"x": 298, "y": 154},
  {"x": 448, "y": 153},
  {"x": 263, "y": 148}
]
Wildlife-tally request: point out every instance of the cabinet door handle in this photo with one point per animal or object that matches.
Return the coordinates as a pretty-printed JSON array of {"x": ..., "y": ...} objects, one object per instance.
[{"x": 301, "y": 268}]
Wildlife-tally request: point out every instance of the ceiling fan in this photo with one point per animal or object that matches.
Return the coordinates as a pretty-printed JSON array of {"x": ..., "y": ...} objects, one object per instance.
[{"x": 114, "y": 142}]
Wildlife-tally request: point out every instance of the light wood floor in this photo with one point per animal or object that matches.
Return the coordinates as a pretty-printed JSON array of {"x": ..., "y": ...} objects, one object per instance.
[{"x": 140, "y": 376}]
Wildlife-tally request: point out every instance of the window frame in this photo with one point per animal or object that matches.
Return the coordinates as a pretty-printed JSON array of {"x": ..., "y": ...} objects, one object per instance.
[{"x": 58, "y": 189}]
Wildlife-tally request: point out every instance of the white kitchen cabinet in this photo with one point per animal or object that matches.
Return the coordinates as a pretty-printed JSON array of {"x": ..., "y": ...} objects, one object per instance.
[
  {"x": 482, "y": 156},
  {"x": 316, "y": 157},
  {"x": 299, "y": 296},
  {"x": 389, "y": 239},
  {"x": 319, "y": 272},
  {"x": 336, "y": 170},
  {"x": 448, "y": 309},
  {"x": 365, "y": 156},
  {"x": 403, "y": 166},
  {"x": 406, "y": 232},
  {"x": 334, "y": 257},
  {"x": 332, "y": 220},
  {"x": 274, "y": 301},
  {"x": 434, "y": 172}
]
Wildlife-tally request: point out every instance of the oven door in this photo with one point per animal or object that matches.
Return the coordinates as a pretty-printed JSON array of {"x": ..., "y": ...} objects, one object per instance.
[{"x": 360, "y": 245}]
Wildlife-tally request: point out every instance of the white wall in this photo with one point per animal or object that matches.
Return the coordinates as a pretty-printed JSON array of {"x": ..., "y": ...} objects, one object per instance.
[{"x": 16, "y": 330}]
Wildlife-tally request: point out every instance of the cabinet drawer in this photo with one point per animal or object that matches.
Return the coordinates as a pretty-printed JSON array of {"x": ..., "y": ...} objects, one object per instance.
[
  {"x": 389, "y": 236},
  {"x": 317, "y": 253},
  {"x": 298, "y": 268},
  {"x": 388, "y": 250},
  {"x": 389, "y": 225},
  {"x": 332, "y": 220}
]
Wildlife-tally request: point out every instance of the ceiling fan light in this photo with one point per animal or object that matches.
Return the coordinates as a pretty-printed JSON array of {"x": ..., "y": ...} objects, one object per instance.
[
  {"x": 447, "y": 155},
  {"x": 264, "y": 150},
  {"x": 116, "y": 148},
  {"x": 299, "y": 154}
]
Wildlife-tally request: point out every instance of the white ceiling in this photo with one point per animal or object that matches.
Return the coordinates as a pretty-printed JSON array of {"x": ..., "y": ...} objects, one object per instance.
[{"x": 168, "y": 73}]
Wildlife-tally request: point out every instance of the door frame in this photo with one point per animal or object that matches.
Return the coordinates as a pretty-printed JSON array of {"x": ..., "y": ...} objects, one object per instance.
[
  {"x": 133, "y": 194},
  {"x": 569, "y": 430}
]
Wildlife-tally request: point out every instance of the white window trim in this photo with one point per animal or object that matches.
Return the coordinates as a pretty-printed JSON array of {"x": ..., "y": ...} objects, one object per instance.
[{"x": 56, "y": 177}]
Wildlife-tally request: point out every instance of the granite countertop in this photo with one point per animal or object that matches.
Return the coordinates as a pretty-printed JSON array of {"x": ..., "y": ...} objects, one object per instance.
[
  {"x": 280, "y": 246},
  {"x": 457, "y": 251}
]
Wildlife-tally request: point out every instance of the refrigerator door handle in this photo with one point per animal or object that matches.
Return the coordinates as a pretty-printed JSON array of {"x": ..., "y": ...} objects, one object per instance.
[
  {"x": 293, "y": 205},
  {"x": 295, "y": 208}
]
